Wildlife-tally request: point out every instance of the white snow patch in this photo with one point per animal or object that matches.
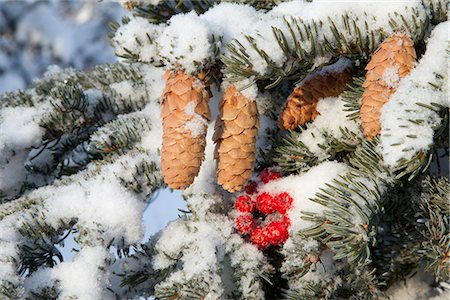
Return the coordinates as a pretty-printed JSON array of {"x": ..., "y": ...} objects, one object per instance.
[
  {"x": 198, "y": 124},
  {"x": 391, "y": 76}
]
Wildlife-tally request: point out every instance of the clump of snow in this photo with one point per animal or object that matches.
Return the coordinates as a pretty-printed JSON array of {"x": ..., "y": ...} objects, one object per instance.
[
  {"x": 197, "y": 245},
  {"x": 153, "y": 80},
  {"x": 205, "y": 182},
  {"x": 406, "y": 125},
  {"x": 185, "y": 42},
  {"x": 135, "y": 37},
  {"x": 151, "y": 140},
  {"x": 247, "y": 88},
  {"x": 197, "y": 124},
  {"x": 90, "y": 280},
  {"x": 329, "y": 123},
  {"x": 97, "y": 201},
  {"x": 303, "y": 188},
  {"x": 18, "y": 127},
  {"x": 19, "y": 131},
  {"x": 338, "y": 67},
  {"x": 391, "y": 76}
]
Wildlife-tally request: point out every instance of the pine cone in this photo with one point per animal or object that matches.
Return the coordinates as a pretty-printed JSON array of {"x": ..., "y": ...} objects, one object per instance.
[
  {"x": 300, "y": 107},
  {"x": 235, "y": 138},
  {"x": 185, "y": 112},
  {"x": 393, "y": 60}
]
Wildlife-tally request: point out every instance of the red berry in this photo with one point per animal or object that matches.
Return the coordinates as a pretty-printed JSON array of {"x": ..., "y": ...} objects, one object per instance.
[
  {"x": 245, "y": 204},
  {"x": 267, "y": 175},
  {"x": 265, "y": 203},
  {"x": 251, "y": 187},
  {"x": 286, "y": 220},
  {"x": 283, "y": 202},
  {"x": 244, "y": 223},
  {"x": 259, "y": 238},
  {"x": 277, "y": 233}
]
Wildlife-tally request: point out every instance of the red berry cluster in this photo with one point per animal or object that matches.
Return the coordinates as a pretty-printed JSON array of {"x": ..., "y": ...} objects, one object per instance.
[{"x": 263, "y": 215}]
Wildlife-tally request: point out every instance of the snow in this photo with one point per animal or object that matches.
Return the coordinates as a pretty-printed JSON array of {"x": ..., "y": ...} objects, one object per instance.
[
  {"x": 187, "y": 40},
  {"x": 98, "y": 201},
  {"x": 417, "y": 287},
  {"x": 19, "y": 130},
  {"x": 303, "y": 188},
  {"x": 185, "y": 34},
  {"x": 197, "y": 124},
  {"x": 90, "y": 282},
  {"x": 391, "y": 76},
  {"x": 201, "y": 245},
  {"x": 331, "y": 120},
  {"x": 134, "y": 37},
  {"x": 401, "y": 138}
]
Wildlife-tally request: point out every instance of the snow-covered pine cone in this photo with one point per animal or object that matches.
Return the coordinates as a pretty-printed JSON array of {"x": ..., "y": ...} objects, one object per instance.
[
  {"x": 185, "y": 113},
  {"x": 393, "y": 60},
  {"x": 300, "y": 107},
  {"x": 235, "y": 137}
]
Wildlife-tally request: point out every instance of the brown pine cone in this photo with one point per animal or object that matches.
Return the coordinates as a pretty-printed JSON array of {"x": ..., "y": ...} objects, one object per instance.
[
  {"x": 235, "y": 137},
  {"x": 300, "y": 107},
  {"x": 185, "y": 113},
  {"x": 393, "y": 60}
]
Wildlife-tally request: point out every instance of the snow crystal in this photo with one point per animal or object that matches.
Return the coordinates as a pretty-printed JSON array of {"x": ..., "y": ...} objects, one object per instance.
[{"x": 400, "y": 137}]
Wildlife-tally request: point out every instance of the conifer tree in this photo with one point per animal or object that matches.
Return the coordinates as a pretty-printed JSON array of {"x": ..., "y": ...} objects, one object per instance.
[{"x": 263, "y": 114}]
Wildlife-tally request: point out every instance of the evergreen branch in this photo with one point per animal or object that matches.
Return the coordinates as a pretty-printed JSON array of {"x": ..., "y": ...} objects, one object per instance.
[
  {"x": 352, "y": 205},
  {"x": 120, "y": 134},
  {"x": 40, "y": 248},
  {"x": 137, "y": 275},
  {"x": 353, "y": 37},
  {"x": 162, "y": 12},
  {"x": 421, "y": 161},
  {"x": 352, "y": 98},
  {"x": 436, "y": 248},
  {"x": 292, "y": 155}
]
